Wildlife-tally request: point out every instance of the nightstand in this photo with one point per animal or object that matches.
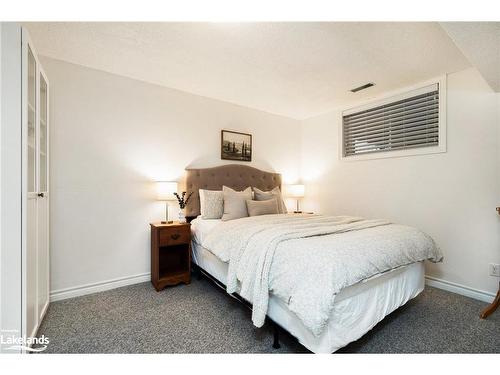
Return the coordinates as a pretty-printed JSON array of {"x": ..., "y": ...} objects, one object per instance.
[{"x": 170, "y": 254}]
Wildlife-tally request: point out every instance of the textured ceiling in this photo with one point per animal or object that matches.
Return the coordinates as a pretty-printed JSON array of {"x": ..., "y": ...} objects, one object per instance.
[
  {"x": 293, "y": 69},
  {"x": 480, "y": 43}
]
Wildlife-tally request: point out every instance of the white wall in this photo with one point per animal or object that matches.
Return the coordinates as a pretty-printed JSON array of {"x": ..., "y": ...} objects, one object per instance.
[
  {"x": 451, "y": 196},
  {"x": 10, "y": 183},
  {"x": 110, "y": 138}
]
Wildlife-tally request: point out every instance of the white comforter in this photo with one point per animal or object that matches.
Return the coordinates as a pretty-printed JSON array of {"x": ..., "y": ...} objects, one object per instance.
[{"x": 307, "y": 259}]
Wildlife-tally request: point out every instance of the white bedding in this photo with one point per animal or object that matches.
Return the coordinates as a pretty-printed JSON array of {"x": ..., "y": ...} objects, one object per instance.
[
  {"x": 357, "y": 308},
  {"x": 307, "y": 260},
  {"x": 201, "y": 227}
]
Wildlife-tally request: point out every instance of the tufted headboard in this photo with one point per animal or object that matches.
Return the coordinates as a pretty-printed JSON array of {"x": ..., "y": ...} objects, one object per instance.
[{"x": 235, "y": 176}]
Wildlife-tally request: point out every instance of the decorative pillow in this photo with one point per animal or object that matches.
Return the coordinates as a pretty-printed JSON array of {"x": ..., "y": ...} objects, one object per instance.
[
  {"x": 267, "y": 207},
  {"x": 211, "y": 204},
  {"x": 235, "y": 205},
  {"x": 260, "y": 195}
]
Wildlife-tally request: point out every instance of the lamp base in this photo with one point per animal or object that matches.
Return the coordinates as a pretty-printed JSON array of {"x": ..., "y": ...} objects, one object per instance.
[
  {"x": 166, "y": 216},
  {"x": 297, "y": 209}
]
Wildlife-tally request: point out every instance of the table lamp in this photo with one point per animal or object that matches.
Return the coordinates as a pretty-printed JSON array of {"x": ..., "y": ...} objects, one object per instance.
[
  {"x": 165, "y": 192},
  {"x": 295, "y": 191}
]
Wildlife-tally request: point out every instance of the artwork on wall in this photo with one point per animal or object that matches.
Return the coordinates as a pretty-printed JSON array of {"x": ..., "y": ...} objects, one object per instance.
[{"x": 236, "y": 146}]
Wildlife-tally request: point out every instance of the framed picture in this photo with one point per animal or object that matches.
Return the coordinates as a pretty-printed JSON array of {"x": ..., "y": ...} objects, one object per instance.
[{"x": 235, "y": 146}]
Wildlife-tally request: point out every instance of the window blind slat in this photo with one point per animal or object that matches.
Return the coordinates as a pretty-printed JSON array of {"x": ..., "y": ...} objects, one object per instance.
[
  {"x": 394, "y": 115},
  {"x": 404, "y": 147},
  {"x": 392, "y": 135},
  {"x": 398, "y": 146},
  {"x": 388, "y": 111},
  {"x": 429, "y": 116},
  {"x": 406, "y": 123},
  {"x": 420, "y": 138}
]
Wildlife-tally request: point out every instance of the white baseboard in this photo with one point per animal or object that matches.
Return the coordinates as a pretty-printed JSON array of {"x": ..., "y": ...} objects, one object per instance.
[
  {"x": 58, "y": 295},
  {"x": 459, "y": 289}
]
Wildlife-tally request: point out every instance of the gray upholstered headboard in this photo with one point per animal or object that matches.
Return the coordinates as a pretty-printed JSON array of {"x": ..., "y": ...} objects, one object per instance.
[{"x": 235, "y": 176}]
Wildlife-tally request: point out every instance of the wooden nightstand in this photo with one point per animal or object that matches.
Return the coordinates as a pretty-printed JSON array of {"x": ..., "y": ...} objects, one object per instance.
[{"x": 170, "y": 254}]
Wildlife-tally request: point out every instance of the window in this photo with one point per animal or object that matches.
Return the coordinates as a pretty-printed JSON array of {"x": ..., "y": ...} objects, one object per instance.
[{"x": 407, "y": 124}]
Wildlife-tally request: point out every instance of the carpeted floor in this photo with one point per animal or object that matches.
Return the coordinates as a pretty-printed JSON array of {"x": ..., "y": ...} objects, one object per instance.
[{"x": 200, "y": 318}]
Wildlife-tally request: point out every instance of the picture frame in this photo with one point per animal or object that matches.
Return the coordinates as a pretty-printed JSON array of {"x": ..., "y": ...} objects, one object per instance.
[{"x": 235, "y": 146}]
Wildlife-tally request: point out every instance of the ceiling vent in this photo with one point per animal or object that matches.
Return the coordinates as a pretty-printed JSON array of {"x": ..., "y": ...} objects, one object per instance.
[{"x": 363, "y": 87}]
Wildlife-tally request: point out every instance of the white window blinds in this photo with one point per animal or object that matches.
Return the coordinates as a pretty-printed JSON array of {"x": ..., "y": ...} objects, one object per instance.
[{"x": 405, "y": 122}]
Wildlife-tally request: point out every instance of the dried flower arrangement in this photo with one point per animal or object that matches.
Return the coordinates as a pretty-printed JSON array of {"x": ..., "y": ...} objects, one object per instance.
[{"x": 183, "y": 201}]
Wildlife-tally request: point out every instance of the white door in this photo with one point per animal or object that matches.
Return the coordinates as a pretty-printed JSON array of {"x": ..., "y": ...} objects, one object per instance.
[
  {"x": 30, "y": 261},
  {"x": 36, "y": 253}
]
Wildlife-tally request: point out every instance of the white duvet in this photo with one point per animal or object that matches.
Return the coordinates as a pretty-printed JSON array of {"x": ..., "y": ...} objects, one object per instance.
[{"x": 307, "y": 259}]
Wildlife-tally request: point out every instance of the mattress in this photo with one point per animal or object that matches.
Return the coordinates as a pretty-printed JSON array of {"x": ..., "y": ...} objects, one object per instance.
[
  {"x": 356, "y": 310},
  {"x": 200, "y": 227}
]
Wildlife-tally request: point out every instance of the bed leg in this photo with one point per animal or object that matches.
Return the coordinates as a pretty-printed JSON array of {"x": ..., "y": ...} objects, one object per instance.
[
  {"x": 198, "y": 272},
  {"x": 276, "y": 333}
]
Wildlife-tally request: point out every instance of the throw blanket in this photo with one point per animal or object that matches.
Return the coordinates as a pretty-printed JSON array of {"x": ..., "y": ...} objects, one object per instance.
[{"x": 307, "y": 259}]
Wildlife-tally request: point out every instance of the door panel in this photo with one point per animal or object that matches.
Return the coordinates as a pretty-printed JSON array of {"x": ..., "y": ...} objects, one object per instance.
[
  {"x": 32, "y": 119},
  {"x": 43, "y": 256},
  {"x": 31, "y": 267},
  {"x": 43, "y": 139},
  {"x": 30, "y": 288}
]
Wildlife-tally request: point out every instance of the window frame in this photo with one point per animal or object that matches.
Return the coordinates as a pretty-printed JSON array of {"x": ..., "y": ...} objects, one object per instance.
[{"x": 391, "y": 97}]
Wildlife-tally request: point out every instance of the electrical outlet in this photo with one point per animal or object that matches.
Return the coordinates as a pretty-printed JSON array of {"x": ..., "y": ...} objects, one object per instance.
[{"x": 494, "y": 269}]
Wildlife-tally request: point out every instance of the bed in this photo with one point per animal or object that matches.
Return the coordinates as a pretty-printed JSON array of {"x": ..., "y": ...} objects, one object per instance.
[{"x": 356, "y": 308}]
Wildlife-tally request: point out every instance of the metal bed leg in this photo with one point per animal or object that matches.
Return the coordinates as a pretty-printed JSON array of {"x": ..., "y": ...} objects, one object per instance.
[
  {"x": 197, "y": 271},
  {"x": 276, "y": 341}
]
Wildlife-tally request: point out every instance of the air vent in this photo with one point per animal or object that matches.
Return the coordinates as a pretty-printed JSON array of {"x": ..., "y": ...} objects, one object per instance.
[{"x": 363, "y": 87}]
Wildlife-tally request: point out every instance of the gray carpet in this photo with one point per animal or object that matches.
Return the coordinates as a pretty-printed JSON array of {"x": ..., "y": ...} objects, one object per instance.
[{"x": 200, "y": 318}]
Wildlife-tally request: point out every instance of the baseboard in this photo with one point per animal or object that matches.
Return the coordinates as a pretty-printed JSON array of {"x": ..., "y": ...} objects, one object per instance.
[
  {"x": 459, "y": 289},
  {"x": 61, "y": 294},
  {"x": 82, "y": 290}
]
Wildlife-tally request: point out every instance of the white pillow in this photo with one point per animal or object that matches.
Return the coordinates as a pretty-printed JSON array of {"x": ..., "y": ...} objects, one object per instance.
[
  {"x": 235, "y": 203},
  {"x": 211, "y": 204}
]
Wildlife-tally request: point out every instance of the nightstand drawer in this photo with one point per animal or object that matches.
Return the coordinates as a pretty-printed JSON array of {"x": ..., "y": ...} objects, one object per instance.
[{"x": 175, "y": 236}]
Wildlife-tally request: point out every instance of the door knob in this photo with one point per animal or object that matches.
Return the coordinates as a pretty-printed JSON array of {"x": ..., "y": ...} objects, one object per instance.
[{"x": 40, "y": 195}]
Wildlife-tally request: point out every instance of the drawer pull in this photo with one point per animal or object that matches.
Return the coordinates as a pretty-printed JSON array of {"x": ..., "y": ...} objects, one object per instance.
[{"x": 175, "y": 236}]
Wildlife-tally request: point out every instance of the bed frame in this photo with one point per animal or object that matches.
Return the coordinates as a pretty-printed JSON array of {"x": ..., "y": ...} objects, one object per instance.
[
  {"x": 276, "y": 327},
  {"x": 238, "y": 177}
]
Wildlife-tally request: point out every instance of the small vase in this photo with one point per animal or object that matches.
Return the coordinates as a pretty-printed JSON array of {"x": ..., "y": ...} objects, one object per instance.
[{"x": 182, "y": 216}]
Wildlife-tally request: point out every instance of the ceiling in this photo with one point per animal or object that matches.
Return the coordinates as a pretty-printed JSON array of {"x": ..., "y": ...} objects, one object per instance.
[
  {"x": 292, "y": 69},
  {"x": 480, "y": 43}
]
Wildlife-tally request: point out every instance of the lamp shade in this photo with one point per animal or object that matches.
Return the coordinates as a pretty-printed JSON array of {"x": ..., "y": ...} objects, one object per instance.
[
  {"x": 295, "y": 191},
  {"x": 165, "y": 190}
]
